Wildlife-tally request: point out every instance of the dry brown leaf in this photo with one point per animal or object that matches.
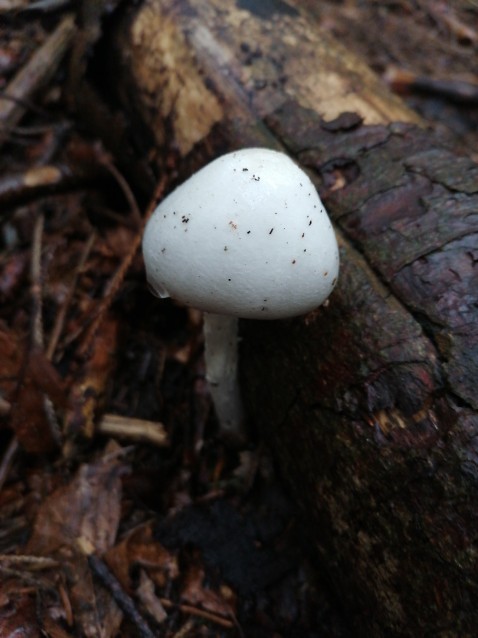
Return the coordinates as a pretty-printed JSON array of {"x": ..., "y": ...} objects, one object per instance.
[
  {"x": 12, "y": 272},
  {"x": 53, "y": 629},
  {"x": 117, "y": 243},
  {"x": 18, "y": 616},
  {"x": 140, "y": 548},
  {"x": 88, "y": 508},
  {"x": 147, "y": 595},
  {"x": 94, "y": 610},
  {"x": 195, "y": 593},
  {"x": 85, "y": 510},
  {"x": 30, "y": 419},
  {"x": 11, "y": 347}
]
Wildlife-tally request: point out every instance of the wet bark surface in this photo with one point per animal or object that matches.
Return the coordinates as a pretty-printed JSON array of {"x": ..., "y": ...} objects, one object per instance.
[{"x": 369, "y": 403}]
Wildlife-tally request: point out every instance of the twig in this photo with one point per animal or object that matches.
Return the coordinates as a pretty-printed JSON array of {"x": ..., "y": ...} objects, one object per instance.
[
  {"x": 444, "y": 14},
  {"x": 133, "y": 429},
  {"x": 55, "y": 142},
  {"x": 19, "y": 187},
  {"x": 7, "y": 460},
  {"x": 30, "y": 131},
  {"x": 38, "y": 5},
  {"x": 195, "y": 611},
  {"x": 31, "y": 581},
  {"x": 185, "y": 629},
  {"x": 35, "y": 279},
  {"x": 403, "y": 81},
  {"x": 36, "y": 73},
  {"x": 26, "y": 105},
  {"x": 60, "y": 318},
  {"x": 37, "y": 320},
  {"x": 117, "y": 279},
  {"x": 124, "y": 602},
  {"x": 125, "y": 187},
  {"x": 33, "y": 562},
  {"x": 11, "y": 5},
  {"x": 66, "y": 602}
]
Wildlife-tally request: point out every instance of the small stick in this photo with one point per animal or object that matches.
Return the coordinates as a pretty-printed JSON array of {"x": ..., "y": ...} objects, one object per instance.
[
  {"x": 118, "y": 277},
  {"x": 33, "y": 562},
  {"x": 37, "y": 341},
  {"x": 12, "y": 5},
  {"x": 36, "y": 73},
  {"x": 443, "y": 13},
  {"x": 38, "y": 5},
  {"x": 31, "y": 581},
  {"x": 37, "y": 320},
  {"x": 125, "y": 187},
  {"x": 30, "y": 131},
  {"x": 37, "y": 181},
  {"x": 403, "y": 81},
  {"x": 185, "y": 629},
  {"x": 19, "y": 187},
  {"x": 61, "y": 316},
  {"x": 124, "y": 602},
  {"x": 195, "y": 611},
  {"x": 7, "y": 460},
  {"x": 133, "y": 429},
  {"x": 35, "y": 278}
]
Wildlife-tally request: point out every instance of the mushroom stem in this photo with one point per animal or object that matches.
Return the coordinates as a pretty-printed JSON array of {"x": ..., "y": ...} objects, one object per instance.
[{"x": 221, "y": 355}]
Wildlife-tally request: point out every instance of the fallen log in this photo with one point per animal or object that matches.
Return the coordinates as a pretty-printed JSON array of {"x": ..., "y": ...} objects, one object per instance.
[{"x": 370, "y": 403}]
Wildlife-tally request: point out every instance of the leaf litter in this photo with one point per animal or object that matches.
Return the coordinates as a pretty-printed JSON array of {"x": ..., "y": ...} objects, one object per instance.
[{"x": 121, "y": 512}]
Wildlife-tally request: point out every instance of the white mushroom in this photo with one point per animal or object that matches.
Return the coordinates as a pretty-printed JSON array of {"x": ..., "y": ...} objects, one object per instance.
[{"x": 246, "y": 236}]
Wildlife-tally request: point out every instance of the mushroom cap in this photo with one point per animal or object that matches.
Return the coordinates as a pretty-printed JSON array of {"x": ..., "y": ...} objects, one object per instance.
[{"x": 247, "y": 235}]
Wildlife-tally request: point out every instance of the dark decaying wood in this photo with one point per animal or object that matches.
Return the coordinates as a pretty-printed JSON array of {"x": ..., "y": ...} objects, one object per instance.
[{"x": 369, "y": 403}]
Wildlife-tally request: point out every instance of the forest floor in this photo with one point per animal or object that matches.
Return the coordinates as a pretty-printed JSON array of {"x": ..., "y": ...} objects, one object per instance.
[{"x": 121, "y": 511}]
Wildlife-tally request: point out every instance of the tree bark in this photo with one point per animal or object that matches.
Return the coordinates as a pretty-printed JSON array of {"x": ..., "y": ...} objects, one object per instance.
[{"x": 369, "y": 403}]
